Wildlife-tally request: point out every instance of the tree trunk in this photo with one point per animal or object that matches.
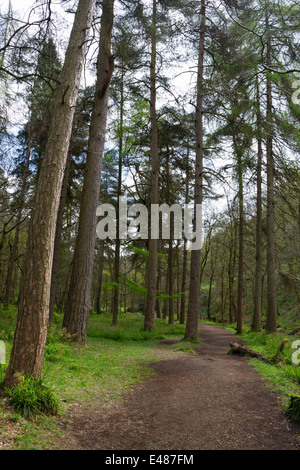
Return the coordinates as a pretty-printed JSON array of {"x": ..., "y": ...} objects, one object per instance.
[
  {"x": 152, "y": 261},
  {"x": 256, "y": 321},
  {"x": 271, "y": 323},
  {"x": 170, "y": 249},
  {"x": 158, "y": 282},
  {"x": 59, "y": 227},
  {"x": 33, "y": 314},
  {"x": 79, "y": 295},
  {"x": 185, "y": 252},
  {"x": 194, "y": 292},
  {"x": 100, "y": 276},
  {"x": 211, "y": 278},
  {"x": 241, "y": 246},
  {"x": 115, "y": 300}
]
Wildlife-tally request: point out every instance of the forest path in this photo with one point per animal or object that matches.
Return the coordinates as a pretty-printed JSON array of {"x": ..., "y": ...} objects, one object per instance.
[{"x": 207, "y": 401}]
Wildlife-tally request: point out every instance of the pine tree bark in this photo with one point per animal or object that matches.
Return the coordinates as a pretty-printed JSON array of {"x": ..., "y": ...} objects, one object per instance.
[
  {"x": 271, "y": 323},
  {"x": 257, "y": 313},
  {"x": 170, "y": 249},
  {"x": 191, "y": 330},
  {"x": 241, "y": 247},
  {"x": 152, "y": 261},
  {"x": 158, "y": 282},
  {"x": 58, "y": 233},
  {"x": 185, "y": 251},
  {"x": 115, "y": 300},
  {"x": 79, "y": 295},
  {"x": 31, "y": 330},
  {"x": 100, "y": 276}
]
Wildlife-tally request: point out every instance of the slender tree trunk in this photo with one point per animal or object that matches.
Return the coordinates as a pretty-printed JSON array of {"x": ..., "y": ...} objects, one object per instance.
[
  {"x": 171, "y": 275},
  {"x": 58, "y": 233},
  {"x": 185, "y": 251},
  {"x": 170, "y": 249},
  {"x": 18, "y": 222},
  {"x": 79, "y": 295},
  {"x": 211, "y": 278},
  {"x": 256, "y": 321},
  {"x": 31, "y": 330},
  {"x": 115, "y": 300},
  {"x": 222, "y": 295},
  {"x": 100, "y": 276},
  {"x": 194, "y": 292},
  {"x": 178, "y": 279},
  {"x": 183, "y": 284},
  {"x": 231, "y": 266},
  {"x": 241, "y": 247},
  {"x": 152, "y": 262},
  {"x": 271, "y": 323},
  {"x": 158, "y": 282},
  {"x": 166, "y": 300}
]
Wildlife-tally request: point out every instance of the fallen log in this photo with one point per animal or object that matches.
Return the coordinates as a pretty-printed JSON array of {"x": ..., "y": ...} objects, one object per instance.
[{"x": 244, "y": 351}]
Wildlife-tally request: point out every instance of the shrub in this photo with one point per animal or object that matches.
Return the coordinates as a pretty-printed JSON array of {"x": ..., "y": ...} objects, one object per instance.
[
  {"x": 294, "y": 408},
  {"x": 2, "y": 374},
  {"x": 31, "y": 397}
]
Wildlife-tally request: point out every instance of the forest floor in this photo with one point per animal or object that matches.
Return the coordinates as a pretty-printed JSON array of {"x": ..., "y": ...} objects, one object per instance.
[{"x": 205, "y": 401}]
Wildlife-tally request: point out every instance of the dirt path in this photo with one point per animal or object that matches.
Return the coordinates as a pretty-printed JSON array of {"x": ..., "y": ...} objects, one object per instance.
[{"x": 208, "y": 401}]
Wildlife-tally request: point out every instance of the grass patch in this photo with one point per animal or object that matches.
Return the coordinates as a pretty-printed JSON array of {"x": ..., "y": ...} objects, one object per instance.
[
  {"x": 113, "y": 359},
  {"x": 31, "y": 397},
  {"x": 283, "y": 378}
]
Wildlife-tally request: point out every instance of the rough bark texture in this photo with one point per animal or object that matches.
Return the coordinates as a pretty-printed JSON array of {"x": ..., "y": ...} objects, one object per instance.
[
  {"x": 241, "y": 246},
  {"x": 57, "y": 242},
  {"x": 100, "y": 277},
  {"x": 271, "y": 324},
  {"x": 79, "y": 295},
  {"x": 185, "y": 252},
  {"x": 256, "y": 322},
  {"x": 31, "y": 329},
  {"x": 115, "y": 299},
  {"x": 152, "y": 262},
  {"x": 244, "y": 351},
  {"x": 194, "y": 292}
]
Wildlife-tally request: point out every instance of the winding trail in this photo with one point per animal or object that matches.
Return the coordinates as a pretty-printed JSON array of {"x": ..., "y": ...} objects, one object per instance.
[{"x": 207, "y": 401}]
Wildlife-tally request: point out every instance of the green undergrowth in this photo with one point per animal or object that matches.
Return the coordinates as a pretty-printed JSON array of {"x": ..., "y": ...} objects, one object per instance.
[
  {"x": 284, "y": 377},
  {"x": 31, "y": 397},
  {"x": 112, "y": 360}
]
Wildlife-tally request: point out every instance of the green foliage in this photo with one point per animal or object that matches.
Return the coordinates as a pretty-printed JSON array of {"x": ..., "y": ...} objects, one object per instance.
[
  {"x": 31, "y": 397},
  {"x": 139, "y": 251},
  {"x": 2, "y": 374},
  {"x": 130, "y": 328},
  {"x": 284, "y": 377},
  {"x": 134, "y": 286},
  {"x": 294, "y": 408}
]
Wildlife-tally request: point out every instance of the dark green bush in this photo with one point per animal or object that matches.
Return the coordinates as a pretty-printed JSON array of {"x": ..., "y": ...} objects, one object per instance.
[
  {"x": 31, "y": 397},
  {"x": 294, "y": 408}
]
